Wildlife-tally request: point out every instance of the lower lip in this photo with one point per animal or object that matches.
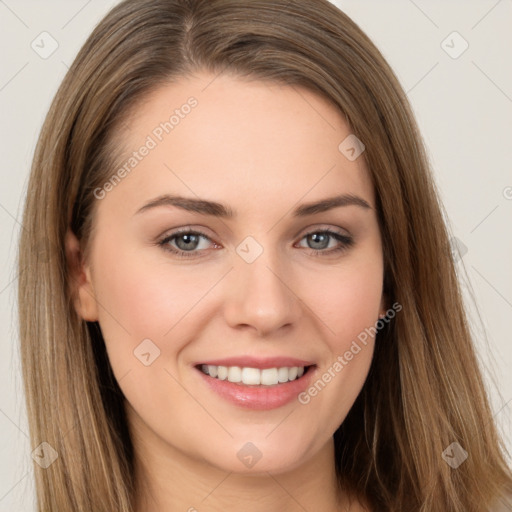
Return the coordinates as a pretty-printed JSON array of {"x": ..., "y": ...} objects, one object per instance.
[{"x": 259, "y": 397}]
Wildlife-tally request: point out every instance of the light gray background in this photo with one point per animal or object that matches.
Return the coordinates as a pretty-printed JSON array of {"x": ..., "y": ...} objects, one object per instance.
[{"x": 464, "y": 109}]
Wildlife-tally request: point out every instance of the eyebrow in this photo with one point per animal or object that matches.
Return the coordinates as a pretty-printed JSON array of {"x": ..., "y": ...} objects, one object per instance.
[{"x": 204, "y": 207}]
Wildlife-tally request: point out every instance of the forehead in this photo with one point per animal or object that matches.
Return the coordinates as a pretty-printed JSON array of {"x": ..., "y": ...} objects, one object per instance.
[{"x": 246, "y": 143}]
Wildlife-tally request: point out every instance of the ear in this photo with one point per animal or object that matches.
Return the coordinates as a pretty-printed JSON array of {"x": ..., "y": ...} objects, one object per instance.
[{"x": 82, "y": 291}]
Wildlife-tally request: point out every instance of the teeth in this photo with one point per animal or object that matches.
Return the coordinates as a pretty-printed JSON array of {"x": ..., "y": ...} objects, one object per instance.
[
  {"x": 234, "y": 374},
  {"x": 253, "y": 376},
  {"x": 282, "y": 375},
  {"x": 222, "y": 372},
  {"x": 269, "y": 376}
]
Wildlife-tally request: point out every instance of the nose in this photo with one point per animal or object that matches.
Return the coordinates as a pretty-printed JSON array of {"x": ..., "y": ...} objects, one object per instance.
[{"x": 261, "y": 296}]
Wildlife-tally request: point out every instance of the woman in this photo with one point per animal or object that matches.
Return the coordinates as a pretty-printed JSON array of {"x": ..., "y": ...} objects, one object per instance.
[{"x": 208, "y": 342}]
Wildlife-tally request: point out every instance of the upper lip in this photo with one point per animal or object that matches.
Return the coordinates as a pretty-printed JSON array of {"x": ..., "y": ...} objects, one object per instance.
[{"x": 256, "y": 362}]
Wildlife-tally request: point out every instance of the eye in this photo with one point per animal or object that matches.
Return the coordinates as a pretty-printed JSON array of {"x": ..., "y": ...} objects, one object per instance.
[
  {"x": 320, "y": 240},
  {"x": 187, "y": 243}
]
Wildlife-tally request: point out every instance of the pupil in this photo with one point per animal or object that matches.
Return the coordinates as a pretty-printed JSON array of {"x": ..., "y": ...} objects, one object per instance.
[
  {"x": 315, "y": 238},
  {"x": 191, "y": 239}
]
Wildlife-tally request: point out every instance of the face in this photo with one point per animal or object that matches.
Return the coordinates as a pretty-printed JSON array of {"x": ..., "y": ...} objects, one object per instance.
[{"x": 259, "y": 286}]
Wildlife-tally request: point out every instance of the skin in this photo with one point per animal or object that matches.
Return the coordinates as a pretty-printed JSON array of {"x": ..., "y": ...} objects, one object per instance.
[{"x": 262, "y": 149}]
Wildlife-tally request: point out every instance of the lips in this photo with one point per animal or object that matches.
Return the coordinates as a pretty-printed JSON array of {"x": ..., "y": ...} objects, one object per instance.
[{"x": 255, "y": 383}]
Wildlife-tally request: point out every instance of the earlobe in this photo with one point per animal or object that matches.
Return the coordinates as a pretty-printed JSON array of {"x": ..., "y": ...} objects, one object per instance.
[{"x": 80, "y": 283}]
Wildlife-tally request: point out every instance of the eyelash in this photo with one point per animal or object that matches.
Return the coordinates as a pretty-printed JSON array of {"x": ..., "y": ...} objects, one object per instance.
[{"x": 345, "y": 243}]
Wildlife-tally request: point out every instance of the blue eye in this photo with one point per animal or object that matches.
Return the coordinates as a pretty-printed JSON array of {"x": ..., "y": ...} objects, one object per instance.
[
  {"x": 186, "y": 243},
  {"x": 322, "y": 239}
]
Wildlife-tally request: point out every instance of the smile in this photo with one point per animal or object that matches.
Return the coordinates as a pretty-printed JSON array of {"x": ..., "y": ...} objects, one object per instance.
[{"x": 256, "y": 388}]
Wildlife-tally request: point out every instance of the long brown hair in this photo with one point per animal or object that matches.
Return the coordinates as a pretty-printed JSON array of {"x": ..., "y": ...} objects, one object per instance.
[{"x": 424, "y": 390}]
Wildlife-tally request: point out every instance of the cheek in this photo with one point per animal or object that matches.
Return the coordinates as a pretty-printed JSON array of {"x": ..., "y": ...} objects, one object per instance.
[
  {"x": 146, "y": 300},
  {"x": 138, "y": 301},
  {"x": 138, "y": 293},
  {"x": 347, "y": 299},
  {"x": 347, "y": 302},
  {"x": 348, "y": 309}
]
